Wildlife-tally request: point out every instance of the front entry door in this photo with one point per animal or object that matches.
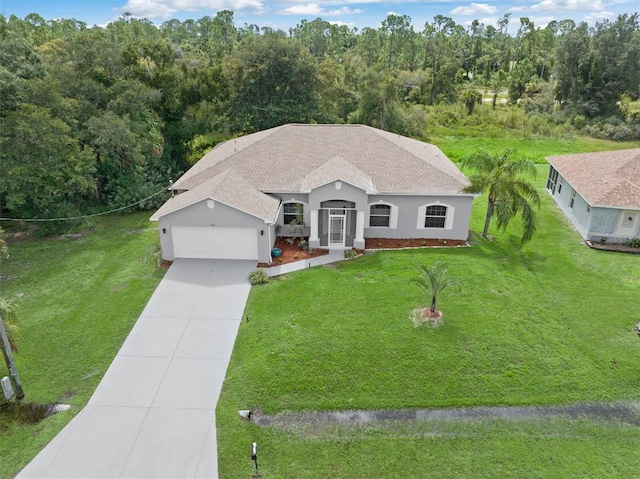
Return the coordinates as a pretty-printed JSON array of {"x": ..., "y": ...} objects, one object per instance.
[{"x": 336, "y": 229}]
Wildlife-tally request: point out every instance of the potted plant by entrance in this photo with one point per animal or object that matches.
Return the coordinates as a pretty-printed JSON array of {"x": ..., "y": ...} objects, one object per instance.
[
  {"x": 304, "y": 245},
  {"x": 275, "y": 252}
]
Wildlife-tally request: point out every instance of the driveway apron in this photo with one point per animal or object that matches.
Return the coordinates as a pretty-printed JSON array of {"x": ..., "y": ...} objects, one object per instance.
[{"x": 153, "y": 413}]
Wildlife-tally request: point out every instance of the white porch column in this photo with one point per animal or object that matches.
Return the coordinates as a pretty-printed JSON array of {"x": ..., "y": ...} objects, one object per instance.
[
  {"x": 313, "y": 236},
  {"x": 358, "y": 241}
]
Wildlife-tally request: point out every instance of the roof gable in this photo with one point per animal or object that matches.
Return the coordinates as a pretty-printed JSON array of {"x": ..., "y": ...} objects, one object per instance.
[
  {"x": 607, "y": 178},
  {"x": 230, "y": 189},
  {"x": 337, "y": 169}
]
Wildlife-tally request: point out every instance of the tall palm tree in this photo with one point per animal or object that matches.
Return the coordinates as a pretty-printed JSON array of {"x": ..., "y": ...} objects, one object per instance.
[
  {"x": 509, "y": 194},
  {"x": 434, "y": 281}
]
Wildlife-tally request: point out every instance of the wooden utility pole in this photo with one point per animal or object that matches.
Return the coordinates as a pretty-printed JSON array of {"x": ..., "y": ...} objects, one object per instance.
[{"x": 11, "y": 364}]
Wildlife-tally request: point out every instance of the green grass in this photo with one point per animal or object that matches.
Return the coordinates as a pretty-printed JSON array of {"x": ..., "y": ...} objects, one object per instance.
[
  {"x": 547, "y": 323},
  {"x": 77, "y": 300},
  {"x": 457, "y": 145}
]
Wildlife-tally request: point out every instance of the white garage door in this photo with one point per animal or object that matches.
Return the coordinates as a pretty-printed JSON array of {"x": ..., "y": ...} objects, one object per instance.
[{"x": 215, "y": 242}]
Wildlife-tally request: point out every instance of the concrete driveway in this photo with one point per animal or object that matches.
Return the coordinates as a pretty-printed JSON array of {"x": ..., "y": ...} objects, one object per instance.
[{"x": 153, "y": 413}]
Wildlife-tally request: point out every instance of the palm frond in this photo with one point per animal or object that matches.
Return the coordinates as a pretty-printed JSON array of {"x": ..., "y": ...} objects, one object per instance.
[
  {"x": 509, "y": 194},
  {"x": 3, "y": 243},
  {"x": 528, "y": 222},
  {"x": 9, "y": 318}
]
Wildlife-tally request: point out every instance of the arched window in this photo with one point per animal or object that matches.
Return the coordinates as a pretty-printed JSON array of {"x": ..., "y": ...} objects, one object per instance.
[
  {"x": 435, "y": 215},
  {"x": 382, "y": 215}
]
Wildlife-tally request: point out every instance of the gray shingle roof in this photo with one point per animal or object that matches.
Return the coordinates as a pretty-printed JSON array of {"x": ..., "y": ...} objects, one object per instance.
[
  {"x": 606, "y": 178},
  {"x": 229, "y": 188},
  {"x": 278, "y": 160},
  {"x": 337, "y": 169}
]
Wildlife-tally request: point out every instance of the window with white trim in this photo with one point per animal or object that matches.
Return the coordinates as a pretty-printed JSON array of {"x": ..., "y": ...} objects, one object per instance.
[
  {"x": 435, "y": 216},
  {"x": 292, "y": 212},
  {"x": 572, "y": 199},
  {"x": 380, "y": 215}
]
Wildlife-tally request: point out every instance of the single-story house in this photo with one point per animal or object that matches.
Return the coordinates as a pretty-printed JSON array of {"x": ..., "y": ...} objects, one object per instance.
[
  {"x": 599, "y": 193},
  {"x": 335, "y": 185}
]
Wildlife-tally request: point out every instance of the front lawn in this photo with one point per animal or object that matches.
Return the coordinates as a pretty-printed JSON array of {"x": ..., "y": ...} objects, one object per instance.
[{"x": 549, "y": 323}]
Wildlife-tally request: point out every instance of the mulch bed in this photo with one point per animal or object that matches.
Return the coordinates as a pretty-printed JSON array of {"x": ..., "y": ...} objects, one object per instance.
[
  {"x": 390, "y": 243},
  {"x": 293, "y": 252},
  {"x": 623, "y": 248}
]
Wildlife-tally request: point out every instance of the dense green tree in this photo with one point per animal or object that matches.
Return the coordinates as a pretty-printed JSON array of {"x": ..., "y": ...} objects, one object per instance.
[
  {"x": 571, "y": 64},
  {"x": 521, "y": 74},
  {"x": 442, "y": 56},
  {"x": 615, "y": 65},
  {"x": 397, "y": 32},
  {"x": 43, "y": 166},
  {"x": 509, "y": 194},
  {"x": 272, "y": 81},
  {"x": 336, "y": 99},
  {"x": 369, "y": 45},
  {"x": 379, "y": 102},
  {"x": 314, "y": 36}
]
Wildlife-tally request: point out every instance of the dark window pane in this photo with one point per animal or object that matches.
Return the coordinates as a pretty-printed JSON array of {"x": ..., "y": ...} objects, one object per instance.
[
  {"x": 434, "y": 222},
  {"x": 379, "y": 221}
]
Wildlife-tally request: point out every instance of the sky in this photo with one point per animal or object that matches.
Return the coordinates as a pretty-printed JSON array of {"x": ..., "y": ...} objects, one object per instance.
[{"x": 285, "y": 14}]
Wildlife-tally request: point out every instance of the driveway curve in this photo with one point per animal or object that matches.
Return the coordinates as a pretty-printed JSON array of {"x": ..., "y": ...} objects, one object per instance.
[{"x": 153, "y": 413}]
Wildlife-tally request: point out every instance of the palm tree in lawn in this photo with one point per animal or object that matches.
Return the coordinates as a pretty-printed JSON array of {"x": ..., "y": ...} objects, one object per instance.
[
  {"x": 509, "y": 194},
  {"x": 434, "y": 281},
  {"x": 9, "y": 331}
]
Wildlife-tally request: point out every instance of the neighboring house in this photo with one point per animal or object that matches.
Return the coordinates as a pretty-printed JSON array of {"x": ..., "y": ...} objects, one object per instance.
[
  {"x": 599, "y": 193},
  {"x": 344, "y": 183}
]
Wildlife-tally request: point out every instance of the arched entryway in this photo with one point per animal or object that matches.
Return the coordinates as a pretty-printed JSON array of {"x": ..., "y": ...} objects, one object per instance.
[{"x": 337, "y": 224}]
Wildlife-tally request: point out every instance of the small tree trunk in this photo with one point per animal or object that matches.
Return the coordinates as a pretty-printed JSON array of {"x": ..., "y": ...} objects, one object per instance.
[
  {"x": 432, "y": 308},
  {"x": 11, "y": 364},
  {"x": 488, "y": 219}
]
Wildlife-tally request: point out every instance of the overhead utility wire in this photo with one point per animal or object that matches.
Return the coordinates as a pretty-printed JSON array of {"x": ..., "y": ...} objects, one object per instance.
[{"x": 33, "y": 220}]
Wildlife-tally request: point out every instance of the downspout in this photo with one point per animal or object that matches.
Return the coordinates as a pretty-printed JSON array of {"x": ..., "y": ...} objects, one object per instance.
[{"x": 269, "y": 241}]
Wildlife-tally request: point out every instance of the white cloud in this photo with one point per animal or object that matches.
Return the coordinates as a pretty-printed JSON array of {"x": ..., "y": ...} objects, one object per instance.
[
  {"x": 562, "y": 6},
  {"x": 308, "y": 9},
  {"x": 599, "y": 16},
  {"x": 316, "y": 9},
  {"x": 167, "y": 8},
  {"x": 474, "y": 9}
]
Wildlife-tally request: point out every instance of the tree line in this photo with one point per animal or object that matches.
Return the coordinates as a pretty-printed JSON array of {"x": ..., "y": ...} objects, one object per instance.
[{"x": 94, "y": 118}]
